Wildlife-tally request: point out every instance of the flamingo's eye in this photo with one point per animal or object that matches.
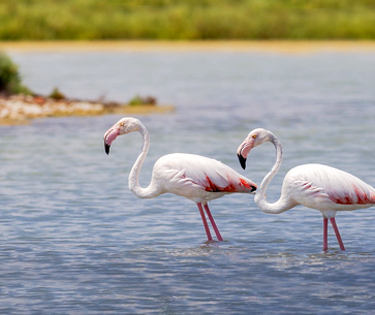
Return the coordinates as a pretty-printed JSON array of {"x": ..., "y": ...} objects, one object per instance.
[
  {"x": 254, "y": 136},
  {"x": 122, "y": 124}
]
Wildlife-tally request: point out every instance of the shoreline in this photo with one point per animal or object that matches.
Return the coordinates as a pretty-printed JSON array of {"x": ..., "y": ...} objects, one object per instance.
[
  {"x": 277, "y": 46},
  {"x": 21, "y": 109}
]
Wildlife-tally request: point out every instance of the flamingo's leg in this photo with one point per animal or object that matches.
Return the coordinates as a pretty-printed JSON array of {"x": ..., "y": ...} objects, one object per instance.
[
  {"x": 338, "y": 236},
  {"x": 209, "y": 237},
  {"x": 217, "y": 232},
  {"x": 325, "y": 234}
]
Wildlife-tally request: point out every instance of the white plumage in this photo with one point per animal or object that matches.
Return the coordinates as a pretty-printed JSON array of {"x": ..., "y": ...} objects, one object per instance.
[
  {"x": 195, "y": 177},
  {"x": 315, "y": 186}
]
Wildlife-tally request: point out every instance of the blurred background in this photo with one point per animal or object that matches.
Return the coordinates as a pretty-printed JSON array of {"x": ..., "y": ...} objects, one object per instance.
[
  {"x": 186, "y": 19},
  {"x": 74, "y": 240}
]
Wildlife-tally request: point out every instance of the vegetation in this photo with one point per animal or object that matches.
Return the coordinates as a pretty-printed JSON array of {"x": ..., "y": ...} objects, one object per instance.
[
  {"x": 10, "y": 79},
  {"x": 56, "y": 94},
  {"x": 139, "y": 100},
  {"x": 186, "y": 19}
]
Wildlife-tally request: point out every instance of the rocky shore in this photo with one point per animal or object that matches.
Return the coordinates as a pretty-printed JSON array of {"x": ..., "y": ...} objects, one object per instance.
[{"x": 21, "y": 109}]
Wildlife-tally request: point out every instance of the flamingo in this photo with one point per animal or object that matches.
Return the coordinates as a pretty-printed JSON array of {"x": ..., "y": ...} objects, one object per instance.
[
  {"x": 315, "y": 186},
  {"x": 195, "y": 177}
]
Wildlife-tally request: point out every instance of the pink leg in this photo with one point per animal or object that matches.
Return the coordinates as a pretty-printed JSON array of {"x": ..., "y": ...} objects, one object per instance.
[
  {"x": 325, "y": 234},
  {"x": 338, "y": 236},
  {"x": 209, "y": 237},
  {"x": 219, "y": 238}
]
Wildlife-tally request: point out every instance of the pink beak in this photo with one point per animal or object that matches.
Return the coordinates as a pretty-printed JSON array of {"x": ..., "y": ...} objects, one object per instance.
[
  {"x": 109, "y": 137},
  {"x": 243, "y": 152}
]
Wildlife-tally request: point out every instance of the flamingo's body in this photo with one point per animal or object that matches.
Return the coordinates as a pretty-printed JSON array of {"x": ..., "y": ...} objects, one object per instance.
[
  {"x": 195, "y": 177},
  {"x": 315, "y": 186}
]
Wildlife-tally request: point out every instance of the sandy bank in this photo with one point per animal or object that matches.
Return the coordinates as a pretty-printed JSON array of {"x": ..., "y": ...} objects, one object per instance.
[
  {"x": 183, "y": 46},
  {"x": 20, "y": 109}
]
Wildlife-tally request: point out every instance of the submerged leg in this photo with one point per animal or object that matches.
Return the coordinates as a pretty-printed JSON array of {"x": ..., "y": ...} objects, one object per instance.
[
  {"x": 209, "y": 237},
  {"x": 338, "y": 236},
  {"x": 325, "y": 234},
  {"x": 218, "y": 235}
]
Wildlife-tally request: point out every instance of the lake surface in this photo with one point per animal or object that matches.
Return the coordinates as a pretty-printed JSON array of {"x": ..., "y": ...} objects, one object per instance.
[{"x": 74, "y": 240}]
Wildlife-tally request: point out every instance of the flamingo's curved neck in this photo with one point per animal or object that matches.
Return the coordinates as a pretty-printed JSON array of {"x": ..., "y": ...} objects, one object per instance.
[
  {"x": 260, "y": 197},
  {"x": 150, "y": 191}
]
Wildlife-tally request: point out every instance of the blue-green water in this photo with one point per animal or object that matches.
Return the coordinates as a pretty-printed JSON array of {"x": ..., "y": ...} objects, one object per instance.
[{"x": 74, "y": 240}]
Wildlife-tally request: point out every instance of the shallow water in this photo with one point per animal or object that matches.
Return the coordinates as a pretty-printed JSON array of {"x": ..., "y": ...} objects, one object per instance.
[{"x": 74, "y": 240}]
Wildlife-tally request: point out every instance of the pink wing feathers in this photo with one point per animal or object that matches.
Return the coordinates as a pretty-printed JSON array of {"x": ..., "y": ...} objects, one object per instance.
[
  {"x": 342, "y": 188},
  {"x": 192, "y": 171}
]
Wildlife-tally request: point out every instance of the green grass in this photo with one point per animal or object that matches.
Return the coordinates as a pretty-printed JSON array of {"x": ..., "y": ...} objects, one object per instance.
[{"x": 186, "y": 19}]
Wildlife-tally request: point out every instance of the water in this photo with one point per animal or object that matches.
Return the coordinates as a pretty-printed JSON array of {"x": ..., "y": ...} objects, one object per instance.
[{"x": 74, "y": 240}]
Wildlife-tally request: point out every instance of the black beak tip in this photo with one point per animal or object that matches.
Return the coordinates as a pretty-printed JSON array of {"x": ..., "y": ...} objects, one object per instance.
[
  {"x": 106, "y": 148},
  {"x": 242, "y": 161}
]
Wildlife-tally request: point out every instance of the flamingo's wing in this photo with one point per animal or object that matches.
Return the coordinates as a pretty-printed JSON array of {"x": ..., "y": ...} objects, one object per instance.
[
  {"x": 188, "y": 171},
  {"x": 309, "y": 189},
  {"x": 214, "y": 176},
  {"x": 347, "y": 189},
  {"x": 313, "y": 182}
]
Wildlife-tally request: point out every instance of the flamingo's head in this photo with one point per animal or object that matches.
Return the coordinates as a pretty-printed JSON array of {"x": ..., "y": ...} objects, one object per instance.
[
  {"x": 123, "y": 126},
  {"x": 256, "y": 137}
]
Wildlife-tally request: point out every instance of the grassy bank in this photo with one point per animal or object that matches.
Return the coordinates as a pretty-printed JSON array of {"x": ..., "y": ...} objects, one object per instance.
[{"x": 186, "y": 19}]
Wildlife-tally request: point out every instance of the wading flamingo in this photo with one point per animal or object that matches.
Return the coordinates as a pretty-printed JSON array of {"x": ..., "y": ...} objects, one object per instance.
[
  {"x": 315, "y": 186},
  {"x": 195, "y": 177}
]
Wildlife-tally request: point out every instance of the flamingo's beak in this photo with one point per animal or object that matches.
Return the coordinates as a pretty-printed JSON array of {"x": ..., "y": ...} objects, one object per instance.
[
  {"x": 106, "y": 147},
  {"x": 242, "y": 161},
  {"x": 243, "y": 151},
  {"x": 111, "y": 134}
]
